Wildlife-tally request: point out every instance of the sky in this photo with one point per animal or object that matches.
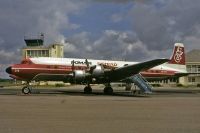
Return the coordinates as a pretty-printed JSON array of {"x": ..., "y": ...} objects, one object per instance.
[{"x": 134, "y": 30}]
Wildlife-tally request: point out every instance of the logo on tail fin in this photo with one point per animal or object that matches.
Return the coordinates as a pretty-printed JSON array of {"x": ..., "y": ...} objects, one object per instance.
[{"x": 178, "y": 55}]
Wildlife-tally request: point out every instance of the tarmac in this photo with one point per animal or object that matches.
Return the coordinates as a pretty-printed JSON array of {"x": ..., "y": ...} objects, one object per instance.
[{"x": 61, "y": 110}]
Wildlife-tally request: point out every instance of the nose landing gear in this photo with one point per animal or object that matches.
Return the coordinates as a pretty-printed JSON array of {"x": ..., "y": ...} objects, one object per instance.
[{"x": 26, "y": 90}]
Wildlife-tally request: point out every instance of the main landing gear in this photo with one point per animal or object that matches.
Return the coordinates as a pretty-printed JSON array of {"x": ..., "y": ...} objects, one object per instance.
[
  {"x": 108, "y": 90},
  {"x": 87, "y": 89}
]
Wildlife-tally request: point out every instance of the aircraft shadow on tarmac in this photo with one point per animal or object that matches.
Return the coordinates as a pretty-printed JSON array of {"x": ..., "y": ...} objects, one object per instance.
[
  {"x": 130, "y": 93},
  {"x": 80, "y": 92},
  {"x": 49, "y": 92},
  {"x": 96, "y": 93},
  {"x": 177, "y": 91}
]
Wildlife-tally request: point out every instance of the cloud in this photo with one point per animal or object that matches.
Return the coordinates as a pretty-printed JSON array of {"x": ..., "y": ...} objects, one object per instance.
[
  {"x": 79, "y": 45},
  {"x": 110, "y": 45},
  {"x": 2, "y": 71},
  {"x": 6, "y": 59},
  {"x": 21, "y": 18},
  {"x": 159, "y": 24},
  {"x": 116, "y": 18},
  {"x": 124, "y": 1},
  {"x": 156, "y": 26}
]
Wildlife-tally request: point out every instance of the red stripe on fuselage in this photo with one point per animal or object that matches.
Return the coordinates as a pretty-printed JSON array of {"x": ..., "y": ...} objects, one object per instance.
[{"x": 29, "y": 71}]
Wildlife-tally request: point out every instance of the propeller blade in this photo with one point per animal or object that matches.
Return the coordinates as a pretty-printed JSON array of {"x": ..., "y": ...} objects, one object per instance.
[
  {"x": 72, "y": 65},
  {"x": 87, "y": 63}
]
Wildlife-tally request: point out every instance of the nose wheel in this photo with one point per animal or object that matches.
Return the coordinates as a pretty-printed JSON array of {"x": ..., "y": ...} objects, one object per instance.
[{"x": 26, "y": 90}]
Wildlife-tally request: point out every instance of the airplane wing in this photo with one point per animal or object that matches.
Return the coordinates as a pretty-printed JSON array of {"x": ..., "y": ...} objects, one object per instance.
[{"x": 129, "y": 70}]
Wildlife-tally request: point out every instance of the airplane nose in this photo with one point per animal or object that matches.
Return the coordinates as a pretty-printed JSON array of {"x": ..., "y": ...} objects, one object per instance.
[{"x": 9, "y": 70}]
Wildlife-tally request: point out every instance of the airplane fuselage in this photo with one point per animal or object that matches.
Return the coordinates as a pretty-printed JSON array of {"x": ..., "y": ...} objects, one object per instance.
[
  {"x": 31, "y": 67},
  {"x": 89, "y": 71}
]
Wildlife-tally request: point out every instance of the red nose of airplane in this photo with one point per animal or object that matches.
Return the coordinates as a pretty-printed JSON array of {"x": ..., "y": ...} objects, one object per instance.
[{"x": 9, "y": 70}]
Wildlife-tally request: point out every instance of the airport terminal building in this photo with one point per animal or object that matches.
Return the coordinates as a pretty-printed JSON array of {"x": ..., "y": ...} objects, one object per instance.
[{"x": 193, "y": 66}]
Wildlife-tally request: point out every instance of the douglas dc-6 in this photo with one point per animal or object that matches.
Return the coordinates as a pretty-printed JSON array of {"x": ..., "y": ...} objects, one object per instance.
[{"x": 89, "y": 71}]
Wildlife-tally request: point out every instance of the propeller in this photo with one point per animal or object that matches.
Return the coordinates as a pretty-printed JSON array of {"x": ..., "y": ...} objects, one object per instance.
[
  {"x": 89, "y": 68},
  {"x": 87, "y": 63},
  {"x": 73, "y": 68}
]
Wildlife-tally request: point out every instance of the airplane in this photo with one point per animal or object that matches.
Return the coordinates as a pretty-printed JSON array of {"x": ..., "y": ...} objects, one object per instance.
[{"x": 90, "y": 71}]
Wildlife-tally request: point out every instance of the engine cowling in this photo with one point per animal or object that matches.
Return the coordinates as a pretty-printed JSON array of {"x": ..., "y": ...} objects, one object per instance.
[
  {"x": 79, "y": 75},
  {"x": 97, "y": 71}
]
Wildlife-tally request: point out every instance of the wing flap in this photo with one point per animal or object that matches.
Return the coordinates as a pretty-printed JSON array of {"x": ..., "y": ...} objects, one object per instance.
[{"x": 52, "y": 77}]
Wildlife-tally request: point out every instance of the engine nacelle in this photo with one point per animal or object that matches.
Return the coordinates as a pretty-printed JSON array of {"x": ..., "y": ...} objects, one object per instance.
[
  {"x": 79, "y": 75},
  {"x": 98, "y": 71}
]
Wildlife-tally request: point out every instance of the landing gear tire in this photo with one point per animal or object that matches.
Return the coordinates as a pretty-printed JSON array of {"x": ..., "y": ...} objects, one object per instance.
[
  {"x": 26, "y": 90},
  {"x": 87, "y": 90},
  {"x": 108, "y": 90}
]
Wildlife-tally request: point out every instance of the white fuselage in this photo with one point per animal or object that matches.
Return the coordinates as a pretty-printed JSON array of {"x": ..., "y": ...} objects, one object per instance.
[{"x": 110, "y": 63}]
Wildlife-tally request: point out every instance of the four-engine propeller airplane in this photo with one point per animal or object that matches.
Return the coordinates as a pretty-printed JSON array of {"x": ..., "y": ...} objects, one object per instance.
[{"x": 89, "y": 71}]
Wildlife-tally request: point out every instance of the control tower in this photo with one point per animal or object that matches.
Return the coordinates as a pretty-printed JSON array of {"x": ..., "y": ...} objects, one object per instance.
[
  {"x": 34, "y": 42},
  {"x": 35, "y": 48}
]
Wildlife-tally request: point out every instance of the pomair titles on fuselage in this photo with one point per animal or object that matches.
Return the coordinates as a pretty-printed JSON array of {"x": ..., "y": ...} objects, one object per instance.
[
  {"x": 107, "y": 64},
  {"x": 81, "y": 62},
  {"x": 112, "y": 64}
]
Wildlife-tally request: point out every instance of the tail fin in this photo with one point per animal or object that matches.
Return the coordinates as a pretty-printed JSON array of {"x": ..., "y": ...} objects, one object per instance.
[{"x": 178, "y": 56}]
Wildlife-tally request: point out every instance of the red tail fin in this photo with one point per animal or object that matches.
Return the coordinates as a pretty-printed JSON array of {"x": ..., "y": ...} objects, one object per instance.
[{"x": 178, "y": 56}]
